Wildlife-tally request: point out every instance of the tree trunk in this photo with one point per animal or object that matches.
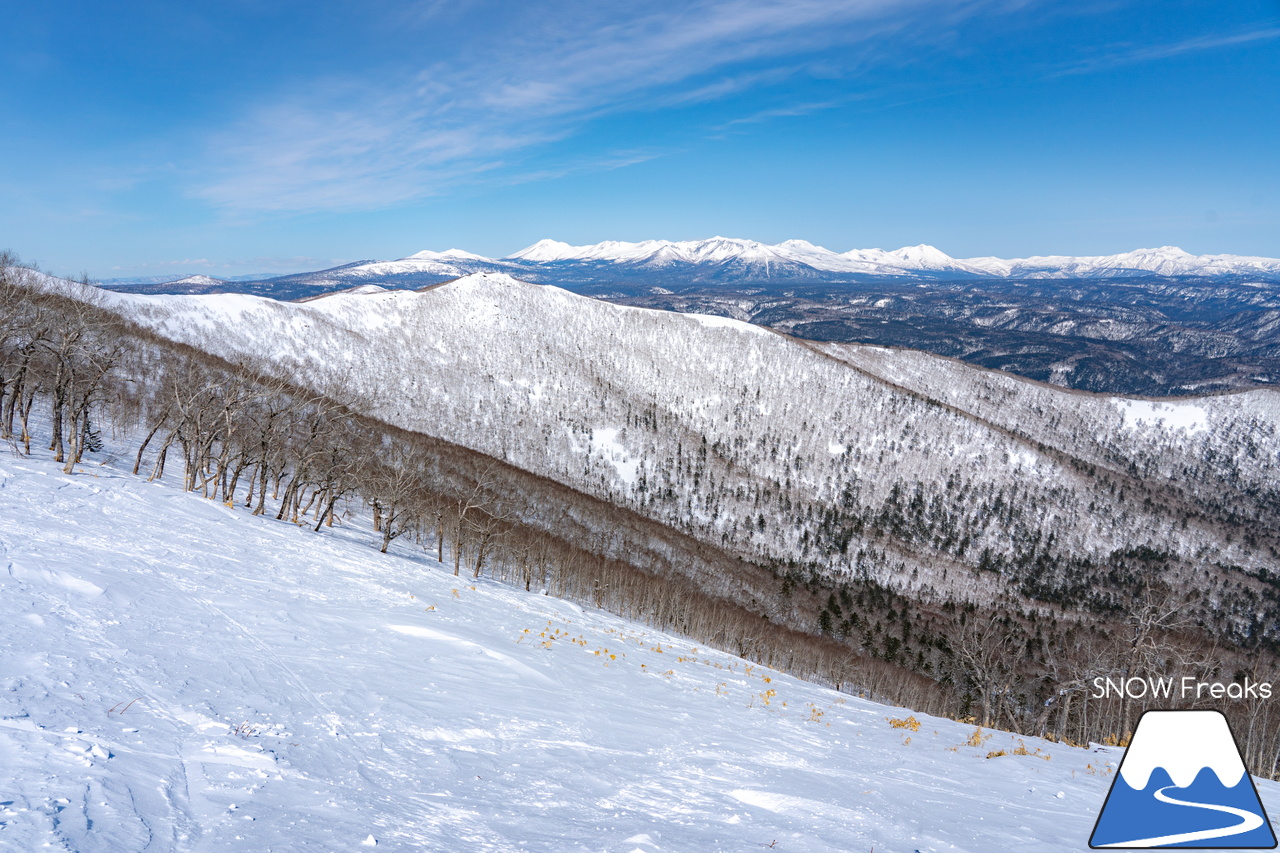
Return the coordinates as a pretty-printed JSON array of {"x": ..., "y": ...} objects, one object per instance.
[
  {"x": 74, "y": 440},
  {"x": 26, "y": 423},
  {"x": 288, "y": 498},
  {"x": 56, "y": 442},
  {"x": 327, "y": 515},
  {"x": 261, "y": 508},
  {"x": 137, "y": 462}
]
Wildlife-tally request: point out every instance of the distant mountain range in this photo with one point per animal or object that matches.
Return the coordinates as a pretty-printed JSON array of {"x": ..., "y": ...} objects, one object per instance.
[
  {"x": 717, "y": 260},
  {"x": 800, "y": 258},
  {"x": 1151, "y": 321}
]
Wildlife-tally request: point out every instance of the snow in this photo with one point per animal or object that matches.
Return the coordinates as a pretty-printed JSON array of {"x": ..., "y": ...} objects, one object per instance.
[
  {"x": 798, "y": 256},
  {"x": 526, "y": 372},
  {"x": 1191, "y": 416},
  {"x": 358, "y": 290},
  {"x": 547, "y": 250},
  {"x": 606, "y": 443},
  {"x": 715, "y": 321},
  {"x": 405, "y": 266},
  {"x": 1166, "y": 260},
  {"x": 448, "y": 254},
  {"x": 1023, "y": 458},
  {"x": 908, "y": 260},
  {"x": 719, "y": 250},
  {"x": 179, "y": 675}
]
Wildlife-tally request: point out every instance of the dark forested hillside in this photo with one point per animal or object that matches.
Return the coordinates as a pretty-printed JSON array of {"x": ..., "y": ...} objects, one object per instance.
[{"x": 1152, "y": 336}]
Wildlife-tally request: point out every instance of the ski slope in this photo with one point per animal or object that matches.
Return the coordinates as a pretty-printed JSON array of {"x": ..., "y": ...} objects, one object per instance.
[{"x": 179, "y": 675}]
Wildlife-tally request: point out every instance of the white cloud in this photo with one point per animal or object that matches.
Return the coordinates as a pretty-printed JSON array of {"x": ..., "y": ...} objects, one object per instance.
[
  {"x": 366, "y": 144},
  {"x": 1148, "y": 53}
]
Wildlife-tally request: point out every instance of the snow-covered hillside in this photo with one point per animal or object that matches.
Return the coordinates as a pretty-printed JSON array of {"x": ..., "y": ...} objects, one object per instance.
[
  {"x": 181, "y": 676},
  {"x": 1173, "y": 437},
  {"x": 742, "y": 436}
]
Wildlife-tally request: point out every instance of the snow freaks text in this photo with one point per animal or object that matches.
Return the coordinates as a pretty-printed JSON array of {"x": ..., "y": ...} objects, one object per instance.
[{"x": 1186, "y": 687}]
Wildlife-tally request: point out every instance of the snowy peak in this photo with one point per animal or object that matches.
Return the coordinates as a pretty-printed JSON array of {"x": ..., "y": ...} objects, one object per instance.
[
  {"x": 1166, "y": 260},
  {"x": 199, "y": 281},
  {"x": 714, "y": 250},
  {"x": 488, "y": 280},
  {"x": 547, "y": 250},
  {"x": 447, "y": 255},
  {"x": 926, "y": 257}
]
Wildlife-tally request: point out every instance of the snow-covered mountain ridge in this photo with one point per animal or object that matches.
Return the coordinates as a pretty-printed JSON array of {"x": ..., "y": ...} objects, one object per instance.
[
  {"x": 864, "y": 461},
  {"x": 909, "y": 260},
  {"x": 733, "y": 260},
  {"x": 1153, "y": 321},
  {"x": 748, "y": 257}
]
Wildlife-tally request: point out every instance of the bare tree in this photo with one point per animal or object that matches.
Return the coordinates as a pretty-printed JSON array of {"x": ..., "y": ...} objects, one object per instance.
[
  {"x": 393, "y": 487},
  {"x": 987, "y": 652},
  {"x": 467, "y": 504}
]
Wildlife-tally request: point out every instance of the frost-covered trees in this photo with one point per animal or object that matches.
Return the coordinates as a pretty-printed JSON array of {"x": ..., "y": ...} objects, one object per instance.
[{"x": 56, "y": 341}]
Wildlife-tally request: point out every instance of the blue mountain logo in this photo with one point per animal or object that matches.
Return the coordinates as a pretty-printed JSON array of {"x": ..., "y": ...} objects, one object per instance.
[{"x": 1182, "y": 783}]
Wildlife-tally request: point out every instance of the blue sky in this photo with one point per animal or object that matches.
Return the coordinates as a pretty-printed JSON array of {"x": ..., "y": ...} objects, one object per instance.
[{"x": 150, "y": 138}]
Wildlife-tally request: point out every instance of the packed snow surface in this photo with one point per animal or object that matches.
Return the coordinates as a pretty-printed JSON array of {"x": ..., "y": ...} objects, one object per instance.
[{"x": 179, "y": 675}]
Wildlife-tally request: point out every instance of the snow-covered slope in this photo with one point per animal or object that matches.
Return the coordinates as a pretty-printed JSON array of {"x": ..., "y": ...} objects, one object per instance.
[
  {"x": 1173, "y": 438},
  {"x": 180, "y": 676},
  {"x": 748, "y": 439},
  {"x": 199, "y": 281}
]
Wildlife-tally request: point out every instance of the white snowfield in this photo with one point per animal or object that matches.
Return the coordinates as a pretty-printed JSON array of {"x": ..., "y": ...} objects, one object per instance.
[{"x": 176, "y": 675}]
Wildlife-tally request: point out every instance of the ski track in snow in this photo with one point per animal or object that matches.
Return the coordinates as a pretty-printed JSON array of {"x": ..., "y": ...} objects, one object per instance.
[{"x": 176, "y": 675}]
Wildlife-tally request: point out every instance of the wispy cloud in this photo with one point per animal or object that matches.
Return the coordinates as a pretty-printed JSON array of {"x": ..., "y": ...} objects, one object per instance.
[
  {"x": 1130, "y": 54},
  {"x": 366, "y": 144},
  {"x": 782, "y": 112}
]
